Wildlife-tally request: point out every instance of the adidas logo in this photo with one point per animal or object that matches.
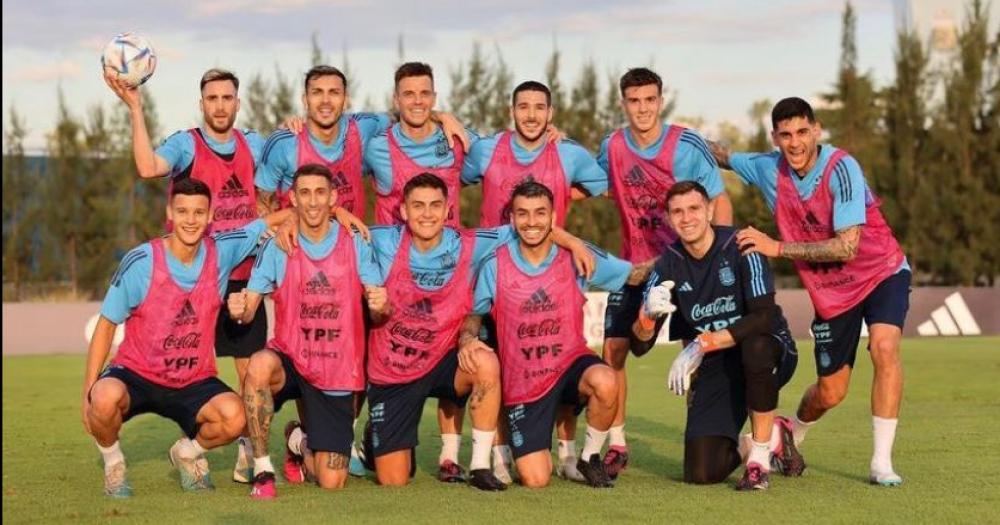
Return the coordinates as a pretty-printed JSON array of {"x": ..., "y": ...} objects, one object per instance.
[
  {"x": 686, "y": 287},
  {"x": 186, "y": 316},
  {"x": 422, "y": 309},
  {"x": 318, "y": 284},
  {"x": 953, "y": 318},
  {"x": 538, "y": 302},
  {"x": 635, "y": 177},
  {"x": 233, "y": 188}
]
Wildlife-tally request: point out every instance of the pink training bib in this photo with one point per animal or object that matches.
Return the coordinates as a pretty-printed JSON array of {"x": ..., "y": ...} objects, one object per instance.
[
  {"x": 835, "y": 287},
  {"x": 170, "y": 337},
  {"x": 640, "y": 192},
  {"x": 318, "y": 317},
  {"x": 505, "y": 173},
  {"x": 404, "y": 169},
  {"x": 424, "y": 325},
  {"x": 346, "y": 170},
  {"x": 539, "y": 325}
]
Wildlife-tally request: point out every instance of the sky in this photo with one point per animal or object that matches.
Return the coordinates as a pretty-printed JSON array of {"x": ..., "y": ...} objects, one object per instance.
[{"x": 716, "y": 56}]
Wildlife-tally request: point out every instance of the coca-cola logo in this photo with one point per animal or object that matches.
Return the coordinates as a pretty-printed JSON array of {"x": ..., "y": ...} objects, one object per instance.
[
  {"x": 241, "y": 212},
  {"x": 643, "y": 202},
  {"x": 540, "y": 329},
  {"x": 722, "y": 305},
  {"x": 319, "y": 311},
  {"x": 420, "y": 335},
  {"x": 188, "y": 341}
]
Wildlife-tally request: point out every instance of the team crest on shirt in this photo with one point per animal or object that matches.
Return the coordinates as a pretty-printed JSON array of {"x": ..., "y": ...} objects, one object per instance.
[
  {"x": 442, "y": 149},
  {"x": 726, "y": 276}
]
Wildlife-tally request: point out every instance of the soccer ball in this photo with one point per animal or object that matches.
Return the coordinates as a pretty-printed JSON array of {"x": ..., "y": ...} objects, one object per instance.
[{"x": 130, "y": 57}]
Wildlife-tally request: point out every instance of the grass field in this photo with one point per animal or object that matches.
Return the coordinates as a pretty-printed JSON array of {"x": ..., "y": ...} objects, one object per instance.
[{"x": 947, "y": 450}]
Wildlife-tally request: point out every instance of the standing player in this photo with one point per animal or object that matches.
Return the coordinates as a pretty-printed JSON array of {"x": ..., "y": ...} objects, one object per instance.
[
  {"x": 224, "y": 158},
  {"x": 430, "y": 270},
  {"x": 168, "y": 293},
  {"x": 848, "y": 260},
  {"x": 318, "y": 351},
  {"x": 329, "y": 137},
  {"x": 537, "y": 299},
  {"x": 742, "y": 350},
  {"x": 503, "y": 161},
  {"x": 643, "y": 161}
]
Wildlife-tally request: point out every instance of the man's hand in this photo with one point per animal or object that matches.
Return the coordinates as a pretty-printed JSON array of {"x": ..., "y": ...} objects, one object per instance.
[
  {"x": 287, "y": 236},
  {"x": 377, "y": 298},
  {"x": 752, "y": 240},
  {"x": 686, "y": 362},
  {"x": 129, "y": 94},
  {"x": 350, "y": 221},
  {"x": 295, "y": 124},
  {"x": 237, "y": 304},
  {"x": 583, "y": 259},
  {"x": 85, "y": 407},
  {"x": 658, "y": 301},
  {"x": 554, "y": 134},
  {"x": 468, "y": 354}
]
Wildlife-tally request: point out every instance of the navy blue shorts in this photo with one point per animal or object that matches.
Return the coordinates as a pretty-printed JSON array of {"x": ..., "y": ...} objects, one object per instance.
[
  {"x": 394, "y": 411},
  {"x": 531, "y": 424},
  {"x": 837, "y": 338},
  {"x": 239, "y": 340},
  {"x": 180, "y": 405},
  {"x": 717, "y": 403},
  {"x": 622, "y": 311},
  {"x": 329, "y": 419}
]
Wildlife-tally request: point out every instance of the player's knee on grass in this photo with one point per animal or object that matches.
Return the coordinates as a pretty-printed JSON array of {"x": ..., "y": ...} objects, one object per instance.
[
  {"x": 710, "y": 459},
  {"x": 535, "y": 469},
  {"x": 331, "y": 470},
  {"x": 393, "y": 469},
  {"x": 760, "y": 357},
  {"x": 616, "y": 352}
]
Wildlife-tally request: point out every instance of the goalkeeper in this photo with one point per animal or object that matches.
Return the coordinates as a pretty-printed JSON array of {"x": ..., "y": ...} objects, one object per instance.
[{"x": 740, "y": 351}]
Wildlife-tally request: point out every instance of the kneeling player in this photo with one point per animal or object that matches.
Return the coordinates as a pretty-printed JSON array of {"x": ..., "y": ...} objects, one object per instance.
[
  {"x": 741, "y": 353},
  {"x": 317, "y": 354},
  {"x": 168, "y": 293},
  {"x": 534, "y": 294}
]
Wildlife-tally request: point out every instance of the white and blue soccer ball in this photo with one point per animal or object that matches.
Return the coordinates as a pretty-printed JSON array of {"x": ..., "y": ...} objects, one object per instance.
[{"x": 130, "y": 57}]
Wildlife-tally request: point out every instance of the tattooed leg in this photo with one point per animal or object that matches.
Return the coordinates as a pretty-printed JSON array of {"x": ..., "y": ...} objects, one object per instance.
[{"x": 331, "y": 469}]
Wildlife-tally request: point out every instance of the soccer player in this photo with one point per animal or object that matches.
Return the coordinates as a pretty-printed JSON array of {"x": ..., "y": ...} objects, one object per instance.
[
  {"x": 430, "y": 270},
  {"x": 168, "y": 293},
  {"x": 318, "y": 352},
  {"x": 508, "y": 158},
  {"x": 414, "y": 145},
  {"x": 643, "y": 160},
  {"x": 536, "y": 297},
  {"x": 224, "y": 158},
  {"x": 741, "y": 348},
  {"x": 329, "y": 137},
  {"x": 848, "y": 260}
]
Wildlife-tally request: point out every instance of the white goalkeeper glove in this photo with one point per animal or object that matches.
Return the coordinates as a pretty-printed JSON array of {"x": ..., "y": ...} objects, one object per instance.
[
  {"x": 658, "y": 303},
  {"x": 686, "y": 362}
]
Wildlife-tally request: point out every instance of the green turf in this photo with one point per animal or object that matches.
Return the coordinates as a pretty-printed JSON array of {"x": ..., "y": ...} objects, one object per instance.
[{"x": 947, "y": 451}]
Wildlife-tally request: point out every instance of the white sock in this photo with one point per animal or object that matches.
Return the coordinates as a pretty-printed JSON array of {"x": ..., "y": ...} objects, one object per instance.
[
  {"x": 482, "y": 442},
  {"x": 760, "y": 453},
  {"x": 799, "y": 429},
  {"x": 594, "y": 442},
  {"x": 190, "y": 449},
  {"x": 295, "y": 440},
  {"x": 450, "y": 443},
  {"x": 884, "y": 431},
  {"x": 262, "y": 465},
  {"x": 567, "y": 450},
  {"x": 112, "y": 454},
  {"x": 502, "y": 454},
  {"x": 775, "y": 442},
  {"x": 616, "y": 436}
]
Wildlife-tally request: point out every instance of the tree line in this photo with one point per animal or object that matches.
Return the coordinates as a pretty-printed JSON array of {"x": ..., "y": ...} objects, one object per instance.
[{"x": 929, "y": 144}]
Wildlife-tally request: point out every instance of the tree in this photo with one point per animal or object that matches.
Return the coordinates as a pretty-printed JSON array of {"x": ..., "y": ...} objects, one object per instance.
[
  {"x": 317, "y": 57},
  {"x": 17, "y": 205},
  {"x": 282, "y": 102},
  {"x": 258, "y": 105}
]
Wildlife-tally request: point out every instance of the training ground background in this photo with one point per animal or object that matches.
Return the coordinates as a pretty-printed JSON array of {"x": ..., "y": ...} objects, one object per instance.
[{"x": 947, "y": 449}]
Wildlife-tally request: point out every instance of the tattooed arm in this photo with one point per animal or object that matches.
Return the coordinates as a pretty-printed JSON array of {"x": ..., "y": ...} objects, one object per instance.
[
  {"x": 640, "y": 272},
  {"x": 266, "y": 202},
  {"x": 842, "y": 247},
  {"x": 721, "y": 154}
]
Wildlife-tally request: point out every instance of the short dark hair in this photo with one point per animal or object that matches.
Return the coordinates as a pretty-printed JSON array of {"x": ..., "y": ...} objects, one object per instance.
[
  {"x": 531, "y": 85},
  {"x": 414, "y": 69},
  {"x": 791, "y": 107},
  {"x": 324, "y": 71},
  {"x": 686, "y": 186},
  {"x": 640, "y": 76},
  {"x": 216, "y": 74},
  {"x": 190, "y": 186},
  {"x": 531, "y": 189},
  {"x": 312, "y": 170},
  {"x": 425, "y": 180}
]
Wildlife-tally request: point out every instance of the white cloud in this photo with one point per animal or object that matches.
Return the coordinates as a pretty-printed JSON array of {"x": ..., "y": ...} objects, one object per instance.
[{"x": 61, "y": 70}]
